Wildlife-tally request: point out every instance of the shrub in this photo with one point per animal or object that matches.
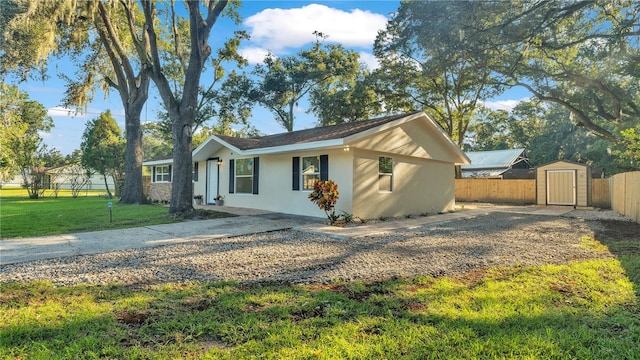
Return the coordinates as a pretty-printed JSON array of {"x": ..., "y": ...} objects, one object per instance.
[{"x": 325, "y": 195}]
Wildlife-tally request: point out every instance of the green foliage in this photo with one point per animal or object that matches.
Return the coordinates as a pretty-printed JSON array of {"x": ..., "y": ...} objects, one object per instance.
[
  {"x": 629, "y": 154},
  {"x": 427, "y": 64},
  {"x": 22, "y": 149},
  {"x": 325, "y": 195},
  {"x": 65, "y": 214},
  {"x": 350, "y": 98},
  {"x": 284, "y": 81},
  {"x": 103, "y": 148},
  {"x": 586, "y": 309}
]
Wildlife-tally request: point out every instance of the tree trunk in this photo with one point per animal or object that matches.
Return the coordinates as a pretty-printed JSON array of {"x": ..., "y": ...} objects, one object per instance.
[
  {"x": 132, "y": 192},
  {"x": 106, "y": 186},
  {"x": 181, "y": 184}
]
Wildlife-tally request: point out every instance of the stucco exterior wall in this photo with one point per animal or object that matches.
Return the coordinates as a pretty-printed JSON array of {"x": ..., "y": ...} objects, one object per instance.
[
  {"x": 275, "y": 183},
  {"x": 414, "y": 139},
  {"x": 583, "y": 181},
  {"x": 419, "y": 186}
]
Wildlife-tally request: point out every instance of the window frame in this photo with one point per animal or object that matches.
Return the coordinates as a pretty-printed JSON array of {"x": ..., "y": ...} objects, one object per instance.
[
  {"x": 157, "y": 173},
  {"x": 236, "y": 176},
  {"x": 316, "y": 172},
  {"x": 382, "y": 173}
]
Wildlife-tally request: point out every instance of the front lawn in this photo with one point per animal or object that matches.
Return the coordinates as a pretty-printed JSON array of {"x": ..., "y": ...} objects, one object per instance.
[
  {"x": 23, "y": 217},
  {"x": 583, "y": 310}
]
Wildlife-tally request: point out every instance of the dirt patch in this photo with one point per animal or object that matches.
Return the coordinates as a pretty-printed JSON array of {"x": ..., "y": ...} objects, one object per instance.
[{"x": 617, "y": 230}]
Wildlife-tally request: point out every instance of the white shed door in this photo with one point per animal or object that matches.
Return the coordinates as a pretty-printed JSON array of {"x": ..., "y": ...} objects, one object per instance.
[{"x": 561, "y": 187}]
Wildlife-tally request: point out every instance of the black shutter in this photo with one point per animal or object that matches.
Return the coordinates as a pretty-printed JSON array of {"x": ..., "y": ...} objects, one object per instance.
[
  {"x": 170, "y": 178},
  {"x": 324, "y": 167},
  {"x": 195, "y": 171},
  {"x": 296, "y": 173},
  {"x": 232, "y": 176},
  {"x": 154, "y": 174},
  {"x": 256, "y": 173}
]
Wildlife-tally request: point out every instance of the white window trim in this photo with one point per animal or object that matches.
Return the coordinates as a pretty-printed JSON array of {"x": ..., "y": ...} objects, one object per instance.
[
  {"x": 155, "y": 178},
  {"x": 390, "y": 174},
  {"x": 302, "y": 173},
  {"x": 236, "y": 176}
]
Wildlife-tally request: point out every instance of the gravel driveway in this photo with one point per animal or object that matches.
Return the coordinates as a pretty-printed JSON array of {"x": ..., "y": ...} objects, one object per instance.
[{"x": 499, "y": 238}]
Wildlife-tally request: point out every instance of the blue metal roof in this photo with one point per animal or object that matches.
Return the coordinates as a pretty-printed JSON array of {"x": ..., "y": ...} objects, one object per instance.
[{"x": 494, "y": 159}]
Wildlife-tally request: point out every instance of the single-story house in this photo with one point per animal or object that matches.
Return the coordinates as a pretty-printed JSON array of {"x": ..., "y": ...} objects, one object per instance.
[
  {"x": 494, "y": 163},
  {"x": 390, "y": 166}
]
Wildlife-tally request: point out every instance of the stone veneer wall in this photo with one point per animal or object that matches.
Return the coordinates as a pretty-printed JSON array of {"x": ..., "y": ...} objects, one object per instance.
[{"x": 160, "y": 191}]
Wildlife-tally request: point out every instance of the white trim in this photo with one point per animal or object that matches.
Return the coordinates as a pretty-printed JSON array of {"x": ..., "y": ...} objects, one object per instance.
[{"x": 158, "y": 162}]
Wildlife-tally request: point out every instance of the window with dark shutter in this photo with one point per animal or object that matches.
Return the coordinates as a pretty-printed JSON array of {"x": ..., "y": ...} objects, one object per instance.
[
  {"x": 324, "y": 167},
  {"x": 232, "y": 176},
  {"x": 295, "y": 181},
  {"x": 256, "y": 174}
]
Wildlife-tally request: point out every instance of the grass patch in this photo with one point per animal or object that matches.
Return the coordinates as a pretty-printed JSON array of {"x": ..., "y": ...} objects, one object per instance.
[
  {"x": 585, "y": 309},
  {"x": 23, "y": 217}
]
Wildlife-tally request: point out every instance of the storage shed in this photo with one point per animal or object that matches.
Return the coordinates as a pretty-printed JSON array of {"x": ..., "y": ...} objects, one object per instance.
[{"x": 564, "y": 183}]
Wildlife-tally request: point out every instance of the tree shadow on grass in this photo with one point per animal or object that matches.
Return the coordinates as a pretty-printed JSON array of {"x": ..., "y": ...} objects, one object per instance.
[{"x": 622, "y": 238}]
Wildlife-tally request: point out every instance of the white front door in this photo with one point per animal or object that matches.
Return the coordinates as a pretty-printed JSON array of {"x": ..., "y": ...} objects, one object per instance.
[{"x": 212, "y": 181}]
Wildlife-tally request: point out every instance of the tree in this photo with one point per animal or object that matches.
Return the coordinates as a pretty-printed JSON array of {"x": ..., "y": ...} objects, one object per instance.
[
  {"x": 22, "y": 149},
  {"x": 284, "y": 81},
  {"x": 350, "y": 98},
  {"x": 581, "y": 55},
  {"x": 102, "y": 40},
  {"x": 427, "y": 65},
  {"x": 103, "y": 150},
  {"x": 182, "y": 109}
]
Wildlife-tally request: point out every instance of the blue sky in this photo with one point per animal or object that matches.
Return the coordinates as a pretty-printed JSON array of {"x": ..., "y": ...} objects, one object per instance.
[{"x": 281, "y": 27}]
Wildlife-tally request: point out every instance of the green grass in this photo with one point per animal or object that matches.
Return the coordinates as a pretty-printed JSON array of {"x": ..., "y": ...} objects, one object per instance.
[
  {"x": 584, "y": 310},
  {"x": 24, "y": 217}
]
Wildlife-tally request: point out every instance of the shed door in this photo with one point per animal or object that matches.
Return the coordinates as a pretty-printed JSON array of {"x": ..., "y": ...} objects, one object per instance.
[{"x": 561, "y": 187}]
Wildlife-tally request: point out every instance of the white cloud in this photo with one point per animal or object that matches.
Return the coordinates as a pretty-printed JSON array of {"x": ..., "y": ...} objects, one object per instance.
[
  {"x": 278, "y": 29},
  {"x": 255, "y": 55},
  {"x": 370, "y": 60},
  {"x": 503, "y": 104}
]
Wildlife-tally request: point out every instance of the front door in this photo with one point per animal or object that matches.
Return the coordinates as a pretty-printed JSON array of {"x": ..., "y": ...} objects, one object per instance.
[
  {"x": 561, "y": 187},
  {"x": 212, "y": 180}
]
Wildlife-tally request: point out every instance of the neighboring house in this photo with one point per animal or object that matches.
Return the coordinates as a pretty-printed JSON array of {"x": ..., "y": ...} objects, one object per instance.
[
  {"x": 392, "y": 166},
  {"x": 61, "y": 177},
  {"x": 495, "y": 163}
]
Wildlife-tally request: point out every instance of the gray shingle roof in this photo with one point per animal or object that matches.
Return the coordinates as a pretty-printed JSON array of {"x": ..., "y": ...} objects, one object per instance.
[{"x": 310, "y": 135}]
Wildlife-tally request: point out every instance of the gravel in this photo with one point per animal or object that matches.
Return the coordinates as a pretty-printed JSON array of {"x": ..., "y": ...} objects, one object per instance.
[{"x": 297, "y": 257}]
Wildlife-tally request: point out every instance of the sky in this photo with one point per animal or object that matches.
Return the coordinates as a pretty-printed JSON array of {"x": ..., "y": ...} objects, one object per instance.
[{"x": 279, "y": 27}]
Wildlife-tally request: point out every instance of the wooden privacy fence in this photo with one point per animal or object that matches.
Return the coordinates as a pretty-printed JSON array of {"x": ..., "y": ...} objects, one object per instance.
[
  {"x": 496, "y": 190},
  {"x": 625, "y": 194},
  {"x": 520, "y": 191}
]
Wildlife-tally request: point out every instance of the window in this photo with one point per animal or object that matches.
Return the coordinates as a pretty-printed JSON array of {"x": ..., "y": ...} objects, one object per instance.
[
  {"x": 385, "y": 174},
  {"x": 162, "y": 173},
  {"x": 244, "y": 176},
  {"x": 310, "y": 171}
]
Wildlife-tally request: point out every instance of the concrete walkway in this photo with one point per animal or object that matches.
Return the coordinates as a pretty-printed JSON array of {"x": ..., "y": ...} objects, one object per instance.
[{"x": 249, "y": 221}]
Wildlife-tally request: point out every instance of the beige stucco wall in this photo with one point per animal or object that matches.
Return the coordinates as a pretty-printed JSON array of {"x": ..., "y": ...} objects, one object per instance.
[
  {"x": 414, "y": 139},
  {"x": 583, "y": 181},
  {"x": 275, "y": 183},
  {"x": 419, "y": 186}
]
